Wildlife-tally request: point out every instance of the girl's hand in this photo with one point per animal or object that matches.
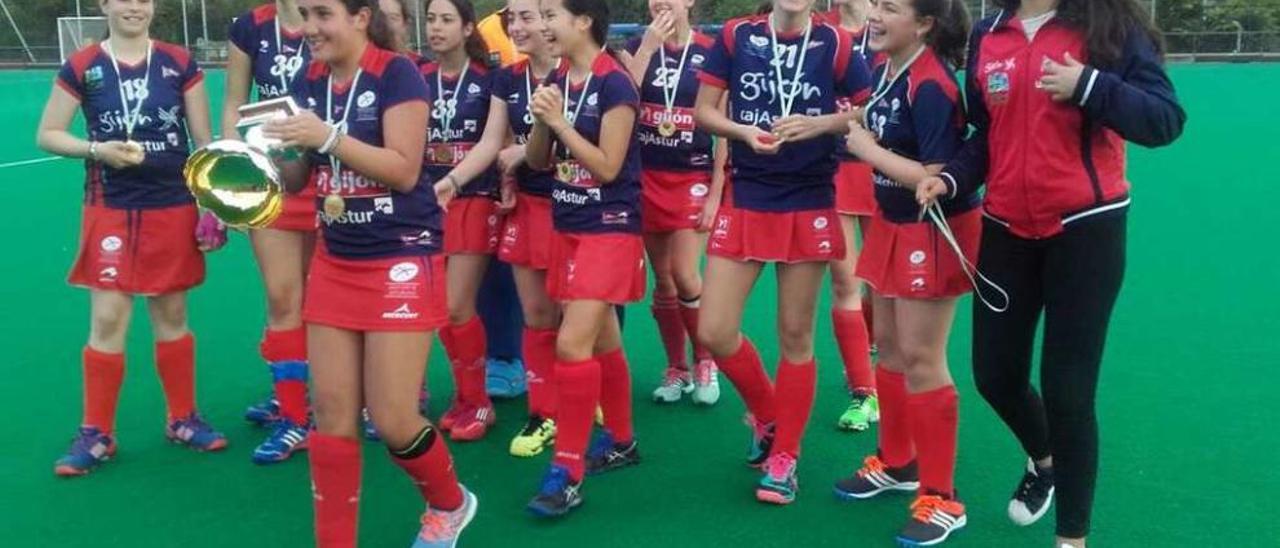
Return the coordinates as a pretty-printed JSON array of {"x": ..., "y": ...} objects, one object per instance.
[
  {"x": 662, "y": 28},
  {"x": 860, "y": 140},
  {"x": 1060, "y": 80},
  {"x": 761, "y": 141},
  {"x": 929, "y": 189},
  {"x": 507, "y": 195},
  {"x": 446, "y": 191},
  {"x": 547, "y": 106},
  {"x": 119, "y": 154},
  {"x": 797, "y": 128},
  {"x": 211, "y": 233},
  {"x": 305, "y": 130},
  {"x": 707, "y": 217},
  {"x": 510, "y": 158}
]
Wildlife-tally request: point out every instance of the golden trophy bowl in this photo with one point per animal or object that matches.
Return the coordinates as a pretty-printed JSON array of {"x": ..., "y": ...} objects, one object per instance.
[{"x": 237, "y": 182}]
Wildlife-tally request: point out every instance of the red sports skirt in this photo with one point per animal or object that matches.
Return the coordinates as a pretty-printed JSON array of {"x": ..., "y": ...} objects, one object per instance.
[
  {"x": 597, "y": 267},
  {"x": 139, "y": 251},
  {"x": 913, "y": 261},
  {"x": 299, "y": 214},
  {"x": 391, "y": 294},
  {"x": 776, "y": 237},
  {"x": 471, "y": 226},
  {"x": 527, "y": 233},
  {"x": 672, "y": 200},
  {"x": 855, "y": 189}
]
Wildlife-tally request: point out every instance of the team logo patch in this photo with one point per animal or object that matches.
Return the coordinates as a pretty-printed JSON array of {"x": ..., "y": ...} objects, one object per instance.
[
  {"x": 697, "y": 59},
  {"x": 112, "y": 243},
  {"x": 403, "y": 312},
  {"x": 473, "y": 88},
  {"x": 493, "y": 220},
  {"x": 403, "y": 272},
  {"x": 166, "y": 72},
  {"x": 998, "y": 87},
  {"x": 366, "y": 99},
  {"x": 593, "y": 99},
  {"x": 758, "y": 41},
  {"x": 384, "y": 205},
  {"x": 917, "y": 257},
  {"x": 699, "y": 190},
  {"x": 93, "y": 79},
  {"x": 820, "y": 223}
]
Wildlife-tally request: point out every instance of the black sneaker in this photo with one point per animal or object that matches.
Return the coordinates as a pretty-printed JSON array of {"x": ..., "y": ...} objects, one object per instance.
[
  {"x": 606, "y": 456},
  {"x": 761, "y": 442},
  {"x": 558, "y": 495},
  {"x": 876, "y": 477},
  {"x": 1033, "y": 496},
  {"x": 933, "y": 519}
]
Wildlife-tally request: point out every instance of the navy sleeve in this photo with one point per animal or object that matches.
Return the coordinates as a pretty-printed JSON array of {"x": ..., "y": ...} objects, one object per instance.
[
  {"x": 69, "y": 80},
  {"x": 401, "y": 83},
  {"x": 1137, "y": 100},
  {"x": 242, "y": 33},
  {"x": 933, "y": 116},
  {"x": 968, "y": 169},
  {"x": 618, "y": 90},
  {"x": 715, "y": 71},
  {"x": 500, "y": 84},
  {"x": 855, "y": 83}
]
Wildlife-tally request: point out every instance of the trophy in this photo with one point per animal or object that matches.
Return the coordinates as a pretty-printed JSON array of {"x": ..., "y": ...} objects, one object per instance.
[{"x": 254, "y": 116}]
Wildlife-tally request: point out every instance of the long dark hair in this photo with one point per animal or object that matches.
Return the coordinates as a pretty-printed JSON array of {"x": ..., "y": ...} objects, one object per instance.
[
  {"x": 476, "y": 49},
  {"x": 598, "y": 11},
  {"x": 950, "y": 29},
  {"x": 379, "y": 33},
  {"x": 1106, "y": 25}
]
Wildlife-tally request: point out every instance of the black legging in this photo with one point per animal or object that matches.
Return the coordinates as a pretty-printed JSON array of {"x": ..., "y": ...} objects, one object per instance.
[{"x": 1074, "y": 278}]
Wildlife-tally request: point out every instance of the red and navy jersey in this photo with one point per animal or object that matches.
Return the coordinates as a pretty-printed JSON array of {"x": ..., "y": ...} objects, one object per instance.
[
  {"x": 377, "y": 222},
  {"x": 584, "y": 204},
  {"x": 800, "y": 176},
  {"x": 1047, "y": 164},
  {"x": 690, "y": 148},
  {"x": 918, "y": 116},
  {"x": 161, "y": 128},
  {"x": 467, "y": 113},
  {"x": 274, "y": 64},
  {"x": 512, "y": 85}
]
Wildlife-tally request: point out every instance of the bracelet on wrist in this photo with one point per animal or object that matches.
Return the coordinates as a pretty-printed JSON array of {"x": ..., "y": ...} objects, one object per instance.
[
  {"x": 330, "y": 142},
  {"x": 93, "y": 150}
]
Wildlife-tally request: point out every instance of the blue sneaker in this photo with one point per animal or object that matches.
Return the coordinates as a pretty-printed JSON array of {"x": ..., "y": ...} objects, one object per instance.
[
  {"x": 440, "y": 529},
  {"x": 607, "y": 455},
  {"x": 264, "y": 413},
  {"x": 779, "y": 484},
  {"x": 193, "y": 432},
  {"x": 89, "y": 448},
  {"x": 366, "y": 425},
  {"x": 558, "y": 495},
  {"x": 505, "y": 379},
  {"x": 283, "y": 442}
]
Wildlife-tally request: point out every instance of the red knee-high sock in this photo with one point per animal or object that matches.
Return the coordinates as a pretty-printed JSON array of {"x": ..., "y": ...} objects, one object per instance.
[
  {"x": 868, "y": 317},
  {"x": 896, "y": 448},
  {"x": 689, "y": 309},
  {"x": 795, "y": 390},
  {"x": 666, "y": 311},
  {"x": 176, "y": 364},
  {"x": 539, "y": 349},
  {"x": 465, "y": 345},
  {"x": 335, "y": 484},
  {"x": 286, "y": 353},
  {"x": 428, "y": 463},
  {"x": 854, "y": 342},
  {"x": 579, "y": 391},
  {"x": 745, "y": 370},
  {"x": 934, "y": 420},
  {"x": 103, "y": 375},
  {"x": 615, "y": 395}
]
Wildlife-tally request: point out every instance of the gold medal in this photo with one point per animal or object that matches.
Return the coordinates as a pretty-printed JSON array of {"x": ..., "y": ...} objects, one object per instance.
[
  {"x": 444, "y": 156},
  {"x": 334, "y": 206},
  {"x": 667, "y": 128},
  {"x": 564, "y": 172}
]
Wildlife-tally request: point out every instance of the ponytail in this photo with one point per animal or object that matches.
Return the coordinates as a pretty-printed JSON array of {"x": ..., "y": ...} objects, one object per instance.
[
  {"x": 379, "y": 31},
  {"x": 950, "y": 28}
]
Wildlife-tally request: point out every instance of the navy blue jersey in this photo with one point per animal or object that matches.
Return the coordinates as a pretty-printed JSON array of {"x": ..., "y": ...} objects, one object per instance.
[
  {"x": 276, "y": 59},
  {"x": 862, "y": 48},
  {"x": 466, "y": 114},
  {"x": 161, "y": 127},
  {"x": 582, "y": 204},
  {"x": 689, "y": 149},
  {"x": 800, "y": 176},
  {"x": 918, "y": 115},
  {"x": 377, "y": 222},
  {"x": 512, "y": 85}
]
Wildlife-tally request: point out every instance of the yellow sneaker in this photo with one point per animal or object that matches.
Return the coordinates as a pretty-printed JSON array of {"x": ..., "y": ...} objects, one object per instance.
[{"x": 538, "y": 434}]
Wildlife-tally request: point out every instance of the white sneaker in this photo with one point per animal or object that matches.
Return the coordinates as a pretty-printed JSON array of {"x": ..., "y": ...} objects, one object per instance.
[
  {"x": 675, "y": 384},
  {"x": 440, "y": 529},
  {"x": 706, "y": 383}
]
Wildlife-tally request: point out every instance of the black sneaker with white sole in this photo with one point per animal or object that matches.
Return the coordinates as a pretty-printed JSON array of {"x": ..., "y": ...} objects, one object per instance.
[
  {"x": 933, "y": 519},
  {"x": 1033, "y": 496},
  {"x": 876, "y": 477}
]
